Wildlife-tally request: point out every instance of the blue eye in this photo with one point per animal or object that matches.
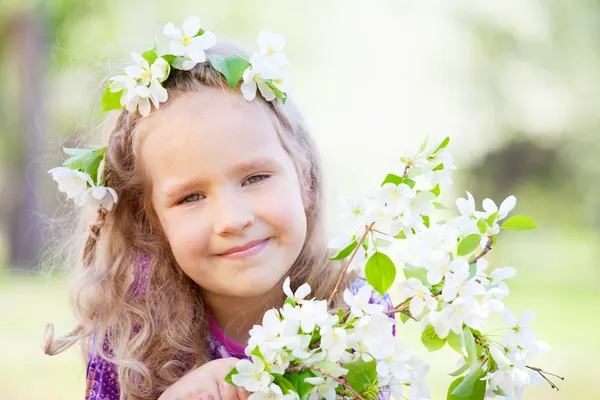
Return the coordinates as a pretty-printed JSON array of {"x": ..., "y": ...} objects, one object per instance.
[
  {"x": 256, "y": 178},
  {"x": 191, "y": 198}
]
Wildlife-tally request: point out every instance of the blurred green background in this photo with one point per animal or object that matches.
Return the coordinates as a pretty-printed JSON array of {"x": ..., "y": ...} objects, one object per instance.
[{"x": 515, "y": 84}]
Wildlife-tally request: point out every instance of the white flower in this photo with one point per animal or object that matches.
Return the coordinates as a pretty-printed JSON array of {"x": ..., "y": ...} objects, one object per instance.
[
  {"x": 467, "y": 222},
  {"x": 271, "y": 45},
  {"x": 521, "y": 333},
  {"x": 396, "y": 197},
  {"x": 252, "y": 80},
  {"x": 186, "y": 45},
  {"x": 418, "y": 389},
  {"x": 359, "y": 303},
  {"x": 73, "y": 183},
  {"x": 251, "y": 375},
  {"x": 266, "y": 334},
  {"x": 395, "y": 364},
  {"x": 301, "y": 292},
  {"x": 142, "y": 84},
  {"x": 507, "y": 206},
  {"x": 376, "y": 333},
  {"x": 272, "y": 392},
  {"x": 334, "y": 341},
  {"x": 324, "y": 388},
  {"x": 102, "y": 196},
  {"x": 420, "y": 295},
  {"x": 438, "y": 270}
]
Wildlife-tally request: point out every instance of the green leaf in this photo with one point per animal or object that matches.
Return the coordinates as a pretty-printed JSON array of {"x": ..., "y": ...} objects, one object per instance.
[
  {"x": 345, "y": 252},
  {"x": 425, "y": 220},
  {"x": 282, "y": 96},
  {"x": 518, "y": 223},
  {"x": 289, "y": 301},
  {"x": 436, "y": 190},
  {"x": 379, "y": 242},
  {"x": 470, "y": 346},
  {"x": 431, "y": 340},
  {"x": 411, "y": 184},
  {"x": 285, "y": 385},
  {"x": 229, "y": 375},
  {"x": 111, "y": 100},
  {"x": 468, "y": 244},
  {"x": 86, "y": 160},
  {"x": 466, "y": 387},
  {"x": 482, "y": 225},
  {"x": 403, "y": 317},
  {"x": 424, "y": 145},
  {"x": 391, "y": 178},
  {"x": 442, "y": 145},
  {"x": 460, "y": 370},
  {"x": 492, "y": 218},
  {"x": 297, "y": 379},
  {"x": 419, "y": 273},
  {"x": 439, "y": 167},
  {"x": 200, "y": 32},
  {"x": 400, "y": 235},
  {"x": 231, "y": 67},
  {"x": 150, "y": 56},
  {"x": 453, "y": 386},
  {"x": 380, "y": 272},
  {"x": 439, "y": 206},
  {"x": 361, "y": 375},
  {"x": 500, "y": 392},
  {"x": 341, "y": 314},
  {"x": 455, "y": 341}
]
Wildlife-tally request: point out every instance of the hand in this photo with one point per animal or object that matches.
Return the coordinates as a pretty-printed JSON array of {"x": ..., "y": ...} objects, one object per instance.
[
  {"x": 228, "y": 392},
  {"x": 205, "y": 381}
]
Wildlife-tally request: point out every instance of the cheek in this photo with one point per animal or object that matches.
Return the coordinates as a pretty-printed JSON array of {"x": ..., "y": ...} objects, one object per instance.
[
  {"x": 187, "y": 240},
  {"x": 283, "y": 209}
]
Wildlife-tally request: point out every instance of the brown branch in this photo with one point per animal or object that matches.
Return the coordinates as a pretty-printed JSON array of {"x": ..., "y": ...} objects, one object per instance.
[
  {"x": 542, "y": 372},
  {"x": 339, "y": 281},
  {"x": 300, "y": 368},
  {"x": 488, "y": 247}
]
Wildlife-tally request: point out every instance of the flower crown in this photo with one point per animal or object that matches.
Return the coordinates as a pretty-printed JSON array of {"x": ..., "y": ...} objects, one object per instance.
[{"x": 141, "y": 87}]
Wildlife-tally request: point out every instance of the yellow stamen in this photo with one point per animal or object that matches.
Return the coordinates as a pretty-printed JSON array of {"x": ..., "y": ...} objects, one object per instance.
[
  {"x": 278, "y": 81},
  {"x": 145, "y": 76},
  {"x": 270, "y": 52},
  {"x": 187, "y": 40}
]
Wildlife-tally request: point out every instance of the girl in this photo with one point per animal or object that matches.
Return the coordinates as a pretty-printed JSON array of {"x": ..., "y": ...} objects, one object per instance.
[{"x": 219, "y": 200}]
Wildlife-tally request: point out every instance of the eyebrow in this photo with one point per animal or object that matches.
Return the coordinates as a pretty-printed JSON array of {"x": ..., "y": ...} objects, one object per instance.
[{"x": 176, "y": 190}]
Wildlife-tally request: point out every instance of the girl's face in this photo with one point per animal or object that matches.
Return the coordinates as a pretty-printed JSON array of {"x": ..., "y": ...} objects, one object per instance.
[{"x": 225, "y": 191}]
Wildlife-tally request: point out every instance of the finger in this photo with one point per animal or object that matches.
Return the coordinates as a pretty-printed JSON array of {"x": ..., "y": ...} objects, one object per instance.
[
  {"x": 242, "y": 393},
  {"x": 227, "y": 391}
]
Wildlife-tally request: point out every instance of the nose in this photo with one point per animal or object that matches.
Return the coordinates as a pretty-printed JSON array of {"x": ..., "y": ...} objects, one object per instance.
[{"x": 232, "y": 215}]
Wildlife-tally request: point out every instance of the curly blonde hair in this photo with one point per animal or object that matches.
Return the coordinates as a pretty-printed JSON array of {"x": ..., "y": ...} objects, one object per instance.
[{"x": 150, "y": 338}]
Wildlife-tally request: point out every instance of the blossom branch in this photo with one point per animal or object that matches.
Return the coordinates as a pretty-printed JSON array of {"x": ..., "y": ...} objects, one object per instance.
[
  {"x": 341, "y": 381},
  {"x": 542, "y": 374},
  {"x": 339, "y": 281},
  {"x": 488, "y": 247}
]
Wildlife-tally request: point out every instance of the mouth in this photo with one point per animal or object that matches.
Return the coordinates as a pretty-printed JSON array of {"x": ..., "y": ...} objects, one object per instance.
[{"x": 247, "y": 250}]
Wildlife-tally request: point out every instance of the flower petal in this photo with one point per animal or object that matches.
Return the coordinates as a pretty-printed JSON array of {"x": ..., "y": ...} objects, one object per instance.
[
  {"x": 172, "y": 32},
  {"x": 206, "y": 40},
  {"x": 139, "y": 60},
  {"x": 195, "y": 52},
  {"x": 176, "y": 48},
  {"x": 144, "y": 106},
  {"x": 266, "y": 91},
  {"x": 507, "y": 205},
  {"x": 134, "y": 71},
  {"x": 191, "y": 26},
  {"x": 527, "y": 317},
  {"x": 249, "y": 90}
]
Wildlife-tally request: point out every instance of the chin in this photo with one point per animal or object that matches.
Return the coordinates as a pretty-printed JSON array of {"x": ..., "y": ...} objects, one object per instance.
[{"x": 254, "y": 285}]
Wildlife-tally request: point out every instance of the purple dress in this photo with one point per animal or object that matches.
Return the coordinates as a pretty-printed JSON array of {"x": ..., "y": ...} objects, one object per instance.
[{"x": 101, "y": 376}]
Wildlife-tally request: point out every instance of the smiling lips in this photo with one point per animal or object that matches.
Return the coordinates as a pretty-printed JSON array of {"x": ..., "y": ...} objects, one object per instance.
[{"x": 249, "y": 249}]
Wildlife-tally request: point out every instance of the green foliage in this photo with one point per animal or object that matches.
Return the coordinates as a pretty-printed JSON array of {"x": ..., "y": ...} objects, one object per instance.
[
  {"x": 380, "y": 272},
  {"x": 431, "y": 340},
  {"x": 361, "y": 375},
  {"x": 85, "y": 160},
  {"x": 231, "y": 67},
  {"x": 468, "y": 244},
  {"x": 297, "y": 379},
  {"x": 518, "y": 223},
  {"x": 110, "y": 100},
  {"x": 345, "y": 252}
]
